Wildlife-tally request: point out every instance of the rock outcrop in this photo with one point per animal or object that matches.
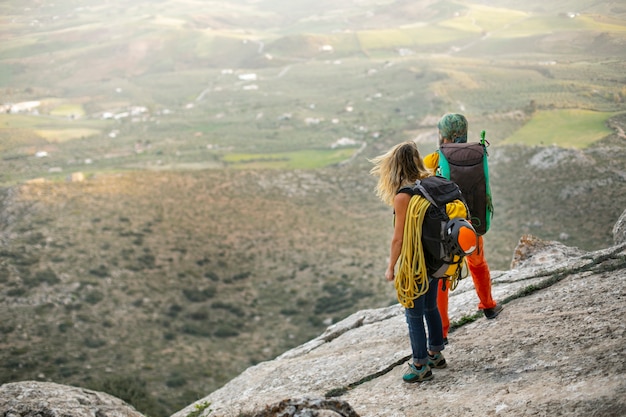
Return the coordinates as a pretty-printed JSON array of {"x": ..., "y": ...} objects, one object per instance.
[
  {"x": 46, "y": 399},
  {"x": 556, "y": 349},
  {"x": 619, "y": 230}
]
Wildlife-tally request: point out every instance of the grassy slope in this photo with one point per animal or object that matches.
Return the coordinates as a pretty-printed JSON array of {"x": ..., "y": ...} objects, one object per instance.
[
  {"x": 158, "y": 286},
  {"x": 566, "y": 128}
]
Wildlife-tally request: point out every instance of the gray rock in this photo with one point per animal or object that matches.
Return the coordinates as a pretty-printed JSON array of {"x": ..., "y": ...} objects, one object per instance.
[
  {"x": 619, "y": 230},
  {"x": 46, "y": 399},
  {"x": 309, "y": 407}
]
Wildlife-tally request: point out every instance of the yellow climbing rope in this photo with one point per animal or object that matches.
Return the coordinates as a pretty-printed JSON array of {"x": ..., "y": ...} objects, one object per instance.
[{"x": 412, "y": 278}]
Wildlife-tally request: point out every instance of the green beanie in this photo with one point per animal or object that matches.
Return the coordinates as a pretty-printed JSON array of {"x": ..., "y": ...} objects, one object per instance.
[{"x": 453, "y": 126}]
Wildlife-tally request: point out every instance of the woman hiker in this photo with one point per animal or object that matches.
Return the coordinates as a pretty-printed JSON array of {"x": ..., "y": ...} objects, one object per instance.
[{"x": 400, "y": 167}]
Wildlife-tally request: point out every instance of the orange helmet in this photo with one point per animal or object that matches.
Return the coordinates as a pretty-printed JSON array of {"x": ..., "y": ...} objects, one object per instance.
[{"x": 460, "y": 237}]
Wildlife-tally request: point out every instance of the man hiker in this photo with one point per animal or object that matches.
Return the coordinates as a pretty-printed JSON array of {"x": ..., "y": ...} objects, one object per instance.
[{"x": 453, "y": 129}]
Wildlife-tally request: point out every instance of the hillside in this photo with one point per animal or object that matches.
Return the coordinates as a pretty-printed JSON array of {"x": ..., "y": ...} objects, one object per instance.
[
  {"x": 184, "y": 188},
  {"x": 529, "y": 361}
]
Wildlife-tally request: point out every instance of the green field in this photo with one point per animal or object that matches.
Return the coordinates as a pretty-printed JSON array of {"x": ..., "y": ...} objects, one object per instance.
[
  {"x": 565, "y": 128},
  {"x": 307, "y": 159},
  {"x": 480, "y": 18}
]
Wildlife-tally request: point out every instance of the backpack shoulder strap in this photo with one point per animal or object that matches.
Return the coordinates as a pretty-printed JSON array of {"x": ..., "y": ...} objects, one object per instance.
[
  {"x": 406, "y": 190},
  {"x": 419, "y": 189},
  {"x": 443, "y": 168}
]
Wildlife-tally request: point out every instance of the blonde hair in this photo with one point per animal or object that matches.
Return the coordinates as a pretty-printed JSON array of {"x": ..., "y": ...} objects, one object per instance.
[{"x": 401, "y": 165}]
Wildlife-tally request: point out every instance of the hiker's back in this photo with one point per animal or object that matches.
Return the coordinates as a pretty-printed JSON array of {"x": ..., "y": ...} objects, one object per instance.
[
  {"x": 466, "y": 165},
  {"x": 443, "y": 220}
]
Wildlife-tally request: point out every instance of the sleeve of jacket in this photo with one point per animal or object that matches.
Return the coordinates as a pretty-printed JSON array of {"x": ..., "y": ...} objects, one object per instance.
[{"x": 431, "y": 161}]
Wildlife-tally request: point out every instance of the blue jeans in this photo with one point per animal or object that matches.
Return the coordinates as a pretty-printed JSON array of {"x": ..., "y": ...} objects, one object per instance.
[{"x": 425, "y": 307}]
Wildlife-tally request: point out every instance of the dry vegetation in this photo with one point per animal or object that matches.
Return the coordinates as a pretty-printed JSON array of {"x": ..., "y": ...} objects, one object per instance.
[{"x": 206, "y": 272}]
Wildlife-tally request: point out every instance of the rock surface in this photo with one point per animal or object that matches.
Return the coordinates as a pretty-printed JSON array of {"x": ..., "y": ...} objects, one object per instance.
[
  {"x": 556, "y": 349},
  {"x": 619, "y": 230},
  {"x": 46, "y": 399}
]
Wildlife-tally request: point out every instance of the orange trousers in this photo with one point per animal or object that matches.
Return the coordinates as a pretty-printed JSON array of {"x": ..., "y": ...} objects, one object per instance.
[{"x": 479, "y": 269}]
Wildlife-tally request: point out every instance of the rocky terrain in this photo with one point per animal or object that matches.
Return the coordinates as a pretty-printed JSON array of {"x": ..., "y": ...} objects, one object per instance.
[{"x": 556, "y": 349}]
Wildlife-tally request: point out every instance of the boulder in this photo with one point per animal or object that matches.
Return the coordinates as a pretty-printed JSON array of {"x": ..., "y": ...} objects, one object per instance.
[{"x": 46, "y": 399}]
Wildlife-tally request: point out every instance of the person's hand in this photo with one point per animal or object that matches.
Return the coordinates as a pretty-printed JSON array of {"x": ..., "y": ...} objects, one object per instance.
[{"x": 389, "y": 275}]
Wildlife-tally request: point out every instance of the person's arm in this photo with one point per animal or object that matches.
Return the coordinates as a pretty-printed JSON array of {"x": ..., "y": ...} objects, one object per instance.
[{"x": 400, "y": 205}]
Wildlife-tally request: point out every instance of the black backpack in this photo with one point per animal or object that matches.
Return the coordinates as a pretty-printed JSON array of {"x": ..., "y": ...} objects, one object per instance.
[
  {"x": 442, "y": 254},
  {"x": 466, "y": 165}
]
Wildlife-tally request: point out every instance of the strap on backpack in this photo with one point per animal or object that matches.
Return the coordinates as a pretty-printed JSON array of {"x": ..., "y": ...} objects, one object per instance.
[
  {"x": 420, "y": 188},
  {"x": 484, "y": 141}
]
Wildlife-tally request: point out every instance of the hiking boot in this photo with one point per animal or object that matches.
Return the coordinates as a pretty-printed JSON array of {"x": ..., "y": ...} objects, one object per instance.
[
  {"x": 437, "y": 361},
  {"x": 415, "y": 374},
  {"x": 492, "y": 313}
]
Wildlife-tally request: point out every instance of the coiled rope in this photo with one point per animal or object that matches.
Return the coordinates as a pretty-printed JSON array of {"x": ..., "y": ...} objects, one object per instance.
[{"x": 412, "y": 278}]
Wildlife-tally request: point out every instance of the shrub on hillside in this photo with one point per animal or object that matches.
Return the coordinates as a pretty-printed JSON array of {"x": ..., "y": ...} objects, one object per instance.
[
  {"x": 35, "y": 239},
  {"x": 147, "y": 261},
  {"x": 100, "y": 271},
  {"x": 65, "y": 326},
  {"x": 94, "y": 297},
  {"x": 94, "y": 342},
  {"x": 197, "y": 329},
  {"x": 131, "y": 389},
  {"x": 173, "y": 310},
  {"x": 4, "y": 275},
  {"x": 241, "y": 275},
  {"x": 47, "y": 276},
  {"x": 232, "y": 308},
  {"x": 16, "y": 292},
  {"x": 6, "y": 328},
  {"x": 212, "y": 276},
  {"x": 196, "y": 295},
  {"x": 226, "y": 330},
  {"x": 176, "y": 380}
]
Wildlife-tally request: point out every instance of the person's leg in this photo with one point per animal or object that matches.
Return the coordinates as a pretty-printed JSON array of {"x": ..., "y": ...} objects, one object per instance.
[
  {"x": 433, "y": 318},
  {"x": 417, "y": 331},
  {"x": 418, "y": 367},
  {"x": 481, "y": 276},
  {"x": 435, "y": 330},
  {"x": 442, "y": 304}
]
